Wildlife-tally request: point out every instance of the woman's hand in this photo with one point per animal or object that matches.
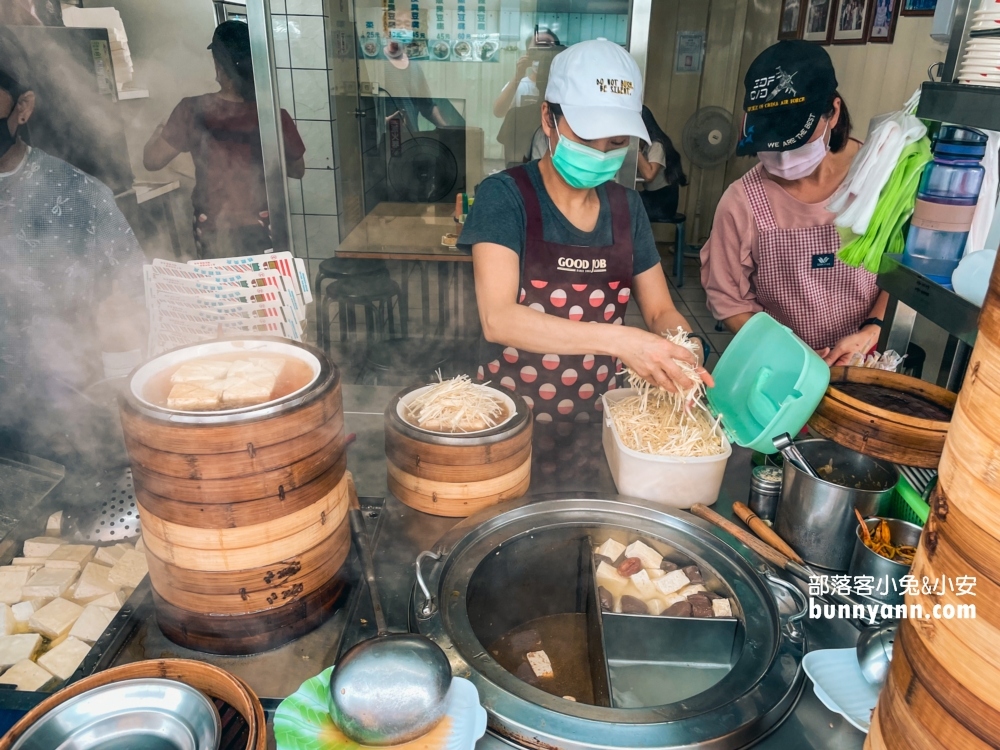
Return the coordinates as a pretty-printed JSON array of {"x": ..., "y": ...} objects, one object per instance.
[
  {"x": 861, "y": 342},
  {"x": 652, "y": 358}
]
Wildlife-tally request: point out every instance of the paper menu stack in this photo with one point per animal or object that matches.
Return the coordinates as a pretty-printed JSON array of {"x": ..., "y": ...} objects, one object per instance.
[{"x": 206, "y": 299}]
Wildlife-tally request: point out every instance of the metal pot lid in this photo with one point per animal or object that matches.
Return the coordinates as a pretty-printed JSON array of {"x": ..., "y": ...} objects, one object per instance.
[
  {"x": 511, "y": 426},
  {"x": 760, "y": 688},
  {"x": 325, "y": 375}
]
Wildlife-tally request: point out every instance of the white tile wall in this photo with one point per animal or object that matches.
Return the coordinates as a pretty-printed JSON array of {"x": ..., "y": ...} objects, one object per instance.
[
  {"x": 307, "y": 42},
  {"x": 299, "y": 236},
  {"x": 318, "y": 138},
  {"x": 285, "y": 95},
  {"x": 312, "y": 94},
  {"x": 295, "y": 196},
  {"x": 279, "y": 31},
  {"x": 321, "y": 234},
  {"x": 277, "y": 6},
  {"x": 319, "y": 192},
  {"x": 305, "y": 7}
]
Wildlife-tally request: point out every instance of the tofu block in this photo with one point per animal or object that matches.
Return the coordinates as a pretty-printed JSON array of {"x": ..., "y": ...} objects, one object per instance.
[
  {"x": 129, "y": 571},
  {"x": 8, "y": 625},
  {"x": 200, "y": 370},
  {"x": 110, "y": 555},
  {"x": 673, "y": 581},
  {"x": 654, "y": 573},
  {"x": 53, "y": 526},
  {"x": 722, "y": 608},
  {"x": 609, "y": 578},
  {"x": 671, "y": 599},
  {"x": 113, "y": 601},
  {"x": 657, "y": 606},
  {"x": 22, "y": 612},
  {"x": 56, "y": 618},
  {"x": 540, "y": 664},
  {"x": 70, "y": 556},
  {"x": 41, "y": 546},
  {"x": 273, "y": 365},
  {"x": 649, "y": 556},
  {"x": 245, "y": 392},
  {"x": 192, "y": 397},
  {"x": 63, "y": 660},
  {"x": 31, "y": 562},
  {"x": 91, "y": 623},
  {"x": 20, "y": 573},
  {"x": 14, "y": 648},
  {"x": 11, "y": 587},
  {"x": 26, "y": 675},
  {"x": 48, "y": 583},
  {"x": 694, "y": 588},
  {"x": 645, "y": 586},
  {"x": 611, "y": 549},
  {"x": 94, "y": 583}
]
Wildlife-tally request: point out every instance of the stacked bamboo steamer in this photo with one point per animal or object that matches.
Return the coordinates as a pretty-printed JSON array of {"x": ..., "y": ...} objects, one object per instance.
[
  {"x": 456, "y": 475},
  {"x": 942, "y": 690},
  {"x": 243, "y": 515}
]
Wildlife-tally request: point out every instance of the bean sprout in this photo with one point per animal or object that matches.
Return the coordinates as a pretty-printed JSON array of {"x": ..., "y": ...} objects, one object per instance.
[{"x": 457, "y": 405}]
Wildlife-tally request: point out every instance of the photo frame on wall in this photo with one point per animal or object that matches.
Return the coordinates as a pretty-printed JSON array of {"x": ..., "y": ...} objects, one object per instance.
[
  {"x": 817, "y": 21},
  {"x": 918, "y": 7},
  {"x": 851, "y": 21},
  {"x": 790, "y": 23},
  {"x": 884, "y": 16}
]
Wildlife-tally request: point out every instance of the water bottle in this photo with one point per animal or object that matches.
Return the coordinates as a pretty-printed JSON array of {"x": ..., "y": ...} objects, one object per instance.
[{"x": 946, "y": 201}]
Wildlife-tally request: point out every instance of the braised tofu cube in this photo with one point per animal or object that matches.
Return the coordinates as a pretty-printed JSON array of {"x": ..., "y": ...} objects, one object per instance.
[
  {"x": 611, "y": 549},
  {"x": 22, "y": 612},
  {"x": 12, "y": 586},
  {"x": 129, "y": 571},
  {"x": 610, "y": 579},
  {"x": 26, "y": 675},
  {"x": 94, "y": 583},
  {"x": 53, "y": 525},
  {"x": 192, "y": 397},
  {"x": 540, "y": 664},
  {"x": 200, "y": 371},
  {"x": 110, "y": 555},
  {"x": 113, "y": 601},
  {"x": 722, "y": 608},
  {"x": 14, "y": 648},
  {"x": 91, "y": 623},
  {"x": 70, "y": 556},
  {"x": 691, "y": 589},
  {"x": 649, "y": 556},
  {"x": 673, "y": 581},
  {"x": 8, "y": 625},
  {"x": 63, "y": 660},
  {"x": 48, "y": 583},
  {"x": 55, "y": 619},
  {"x": 644, "y": 585},
  {"x": 41, "y": 546}
]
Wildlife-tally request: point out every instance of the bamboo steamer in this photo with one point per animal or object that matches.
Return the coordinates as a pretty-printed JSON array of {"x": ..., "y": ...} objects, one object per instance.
[
  {"x": 231, "y": 695},
  {"x": 942, "y": 686},
  {"x": 456, "y": 475},
  {"x": 880, "y": 432},
  {"x": 243, "y": 512}
]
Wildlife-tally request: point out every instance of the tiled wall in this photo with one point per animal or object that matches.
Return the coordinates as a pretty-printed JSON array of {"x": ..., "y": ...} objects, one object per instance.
[{"x": 299, "y": 28}]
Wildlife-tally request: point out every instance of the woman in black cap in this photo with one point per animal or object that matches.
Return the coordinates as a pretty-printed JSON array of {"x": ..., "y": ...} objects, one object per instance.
[
  {"x": 773, "y": 246},
  {"x": 222, "y": 134}
]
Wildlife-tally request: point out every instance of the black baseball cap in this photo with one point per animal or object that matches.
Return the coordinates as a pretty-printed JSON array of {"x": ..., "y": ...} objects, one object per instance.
[
  {"x": 789, "y": 87},
  {"x": 234, "y": 38}
]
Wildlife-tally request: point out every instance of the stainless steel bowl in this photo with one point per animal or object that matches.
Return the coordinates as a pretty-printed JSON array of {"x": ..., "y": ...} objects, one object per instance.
[
  {"x": 887, "y": 574},
  {"x": 142, "y": 714}
]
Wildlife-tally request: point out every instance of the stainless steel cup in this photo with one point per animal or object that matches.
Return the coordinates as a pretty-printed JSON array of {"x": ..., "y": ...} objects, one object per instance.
[
  {"x": 816, "y": 516},
  {"x": 864, "y": 562}
]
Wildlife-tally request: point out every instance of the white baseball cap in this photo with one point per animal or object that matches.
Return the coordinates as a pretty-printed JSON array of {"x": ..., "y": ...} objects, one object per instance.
[{"x": 599, "y": 87}]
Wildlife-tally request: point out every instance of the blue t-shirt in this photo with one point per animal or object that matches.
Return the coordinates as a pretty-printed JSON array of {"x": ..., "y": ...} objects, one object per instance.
[{"x": 498, "y": 216}]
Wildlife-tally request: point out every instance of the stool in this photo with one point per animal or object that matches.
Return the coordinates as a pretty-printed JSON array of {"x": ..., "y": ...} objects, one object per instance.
[
  {"x": 403, "y": 362},
  {"x": 680, "y": 245},
  {"x": 335, "y": 269},
  {"x": 375, "y": 294}
]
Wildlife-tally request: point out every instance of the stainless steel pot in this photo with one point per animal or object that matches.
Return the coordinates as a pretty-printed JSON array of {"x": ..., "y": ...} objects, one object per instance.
[
  {"x": 816, "y": 516},
  {"x": 509, "y": 565},
  {"x": 887, "y": 574}
]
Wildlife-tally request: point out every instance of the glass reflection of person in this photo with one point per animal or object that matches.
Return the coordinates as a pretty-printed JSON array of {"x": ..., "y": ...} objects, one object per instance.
[
  {"x": 222, "y": 133},
  {"x": 659, "y": 164},
  {"x": 524, "y": 82},
  {"x": 405, "y": 84}
]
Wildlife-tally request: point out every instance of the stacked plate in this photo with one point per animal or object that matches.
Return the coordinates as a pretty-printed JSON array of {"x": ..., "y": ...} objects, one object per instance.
[{"x": 980, "y": 65}]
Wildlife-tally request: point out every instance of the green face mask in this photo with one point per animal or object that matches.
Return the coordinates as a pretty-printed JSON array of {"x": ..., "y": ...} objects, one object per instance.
[{"x": 584, "y": 167}]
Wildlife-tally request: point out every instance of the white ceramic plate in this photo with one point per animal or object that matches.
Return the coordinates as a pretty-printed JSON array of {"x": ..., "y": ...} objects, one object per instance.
[
  {"x": 247, "y": 347},
  {"x": 405, "y": 401},
  {"x": 840, "y": 686}
]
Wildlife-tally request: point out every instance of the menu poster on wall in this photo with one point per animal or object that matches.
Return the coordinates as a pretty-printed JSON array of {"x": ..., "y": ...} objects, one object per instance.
[{"x": 690, "y": 51}]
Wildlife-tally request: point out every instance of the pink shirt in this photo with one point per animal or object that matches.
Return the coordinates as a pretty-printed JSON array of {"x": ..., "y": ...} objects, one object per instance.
[{"x": 729, "y": 258}]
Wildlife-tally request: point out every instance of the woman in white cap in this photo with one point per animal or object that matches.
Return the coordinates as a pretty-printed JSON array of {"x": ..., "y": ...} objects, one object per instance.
[
  {"x": 559, "y": 248},
  {"x": 773, "y": 246}
]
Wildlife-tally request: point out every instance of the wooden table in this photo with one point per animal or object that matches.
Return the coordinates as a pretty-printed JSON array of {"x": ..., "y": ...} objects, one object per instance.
[{"x": 411, "y": 233}]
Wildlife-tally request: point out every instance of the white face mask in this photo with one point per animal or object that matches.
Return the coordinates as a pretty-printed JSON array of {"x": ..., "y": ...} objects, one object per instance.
[{"x": 799, "y": 162}]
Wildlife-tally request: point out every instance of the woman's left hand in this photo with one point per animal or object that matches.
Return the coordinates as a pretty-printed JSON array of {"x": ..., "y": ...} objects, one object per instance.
[{"x": 860, "y": 343}]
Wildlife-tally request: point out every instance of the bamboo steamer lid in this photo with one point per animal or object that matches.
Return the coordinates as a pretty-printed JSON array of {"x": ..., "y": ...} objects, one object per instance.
[
  {"x": 458, "y": 474},
  {"x": 244, "y": 510}
]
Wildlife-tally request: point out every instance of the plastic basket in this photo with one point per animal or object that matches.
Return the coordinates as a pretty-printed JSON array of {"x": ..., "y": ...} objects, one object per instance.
[{"x": 906, "y": 504}]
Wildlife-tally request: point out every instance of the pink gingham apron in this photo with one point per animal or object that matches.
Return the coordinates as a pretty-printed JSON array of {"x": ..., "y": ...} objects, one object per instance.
[{"x": 799, "y": 279}]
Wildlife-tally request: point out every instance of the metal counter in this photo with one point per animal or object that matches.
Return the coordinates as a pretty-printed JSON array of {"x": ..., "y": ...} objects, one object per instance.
[{"x": 402, "y": 533}]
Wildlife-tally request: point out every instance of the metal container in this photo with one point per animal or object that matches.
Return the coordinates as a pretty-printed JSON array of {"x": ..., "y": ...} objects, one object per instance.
[
  {"x": 816, "y": 516},
  {"x": 765, "y": 490},
  {"x": 506, "y": 567},
  {"x": 885, "y": 572}
]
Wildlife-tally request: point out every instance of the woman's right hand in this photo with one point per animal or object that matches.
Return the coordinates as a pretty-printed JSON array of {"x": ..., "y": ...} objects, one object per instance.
[{"x": 652, "y": 358}]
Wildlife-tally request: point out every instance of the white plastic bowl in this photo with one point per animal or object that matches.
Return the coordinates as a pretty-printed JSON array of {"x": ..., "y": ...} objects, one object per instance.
[
  {"x": 673, "y": 481},
  {"x": 405, "y": 401}
]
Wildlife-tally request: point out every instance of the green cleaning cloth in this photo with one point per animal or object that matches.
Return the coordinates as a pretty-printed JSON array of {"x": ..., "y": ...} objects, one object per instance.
[{"x": 894, "y": 208}]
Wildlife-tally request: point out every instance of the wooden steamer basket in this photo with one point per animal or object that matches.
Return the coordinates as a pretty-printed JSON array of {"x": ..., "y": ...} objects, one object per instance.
[
  {"x": 457, "y": 475},
  {"x": 875, "y": 430},
  {"x": 243, "y": 721},
  {"x": 243, "y": 512}
]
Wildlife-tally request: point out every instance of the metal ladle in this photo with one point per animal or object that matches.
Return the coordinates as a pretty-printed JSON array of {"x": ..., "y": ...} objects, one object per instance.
[
  {"x": 793, "y": 455},
  {"x": 875, "y": 652},
  {"x": 391, "y": 688}
]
